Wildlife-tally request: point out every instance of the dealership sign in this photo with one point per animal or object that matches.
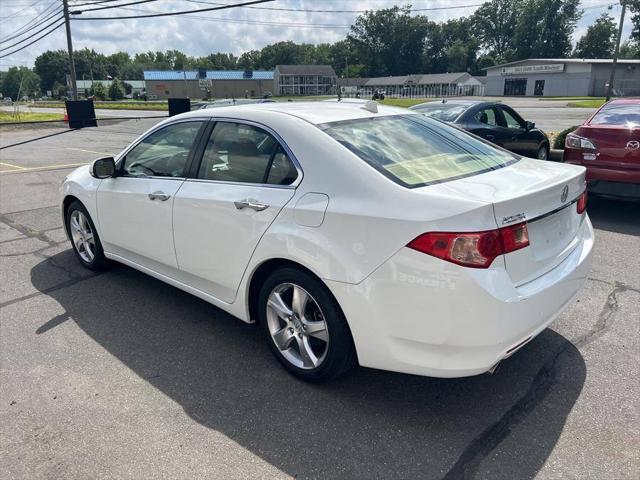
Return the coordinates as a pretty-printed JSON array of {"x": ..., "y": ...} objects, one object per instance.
[{"x": 524, "y": 69}]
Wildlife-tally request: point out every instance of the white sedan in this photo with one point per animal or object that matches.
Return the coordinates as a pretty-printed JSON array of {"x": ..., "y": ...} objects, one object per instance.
[{"x": 351, "y": 233}]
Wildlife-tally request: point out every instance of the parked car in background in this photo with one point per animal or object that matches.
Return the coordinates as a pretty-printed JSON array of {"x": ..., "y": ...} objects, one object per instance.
[
  {"x": 492, "y": 121},
  {"x": 350, "y": 233},
  {"x": 608, "y": 144}
]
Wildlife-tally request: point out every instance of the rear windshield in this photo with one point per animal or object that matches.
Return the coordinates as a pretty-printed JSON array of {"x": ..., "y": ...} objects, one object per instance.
[
  {"x": 626, "y": 114},
  {"x": 414, "y": 150},
  {"x": 442, "y": 111}
]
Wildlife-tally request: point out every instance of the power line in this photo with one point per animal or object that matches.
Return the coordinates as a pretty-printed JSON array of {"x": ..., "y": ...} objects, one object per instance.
[
  {"x": 308, "y": 10},
  {"x": 47, "y": 11},
  {"x": 28, "y": 27},
  {"x": 31, "y": 35},
  {"x": 171, "y": 14},
  {"x": 254, "y": 22},
  {"x": 34, "y": 41},
  {"x": 112, "y": 6}
]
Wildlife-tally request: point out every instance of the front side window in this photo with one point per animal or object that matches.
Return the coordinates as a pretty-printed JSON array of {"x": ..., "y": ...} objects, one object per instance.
[
  {"x": 242, "y": 153},
  {"x": 487, "y": 116},
  {"x": 163, "y": 153},
  {"x": 510, "y": 119},
  {"x": 414, "y": 150}
]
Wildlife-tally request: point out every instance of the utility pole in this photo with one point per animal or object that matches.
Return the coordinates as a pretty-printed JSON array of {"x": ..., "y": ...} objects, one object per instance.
[
  {"x": 617, "y": 51},
  {"x": 72, "y": 65}
]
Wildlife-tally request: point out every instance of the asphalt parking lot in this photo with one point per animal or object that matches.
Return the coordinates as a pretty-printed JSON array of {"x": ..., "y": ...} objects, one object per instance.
[{"x": 117, "y": 375}]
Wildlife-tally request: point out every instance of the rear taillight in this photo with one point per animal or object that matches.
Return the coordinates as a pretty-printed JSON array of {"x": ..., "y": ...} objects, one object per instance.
[
  {"x": 575, "y": 141},
  {"x": 581, "y": 204},
  {"x": 474, "y": 249}
]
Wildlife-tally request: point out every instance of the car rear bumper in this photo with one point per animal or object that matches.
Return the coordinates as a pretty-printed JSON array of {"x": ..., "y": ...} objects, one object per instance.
[{"x": 420, "y": 315}]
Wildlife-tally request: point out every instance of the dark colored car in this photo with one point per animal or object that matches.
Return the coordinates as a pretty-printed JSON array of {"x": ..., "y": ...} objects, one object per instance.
[
  {"x": 495, "y": 122},
  {"x": 608, "y": 144}
]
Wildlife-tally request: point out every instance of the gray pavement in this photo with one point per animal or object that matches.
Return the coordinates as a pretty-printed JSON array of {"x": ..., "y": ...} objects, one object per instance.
[{"x": 117, "y": 375}]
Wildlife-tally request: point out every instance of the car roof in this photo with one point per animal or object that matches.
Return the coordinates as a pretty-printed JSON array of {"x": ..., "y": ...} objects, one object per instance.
[{"x": 312, "y": 112}]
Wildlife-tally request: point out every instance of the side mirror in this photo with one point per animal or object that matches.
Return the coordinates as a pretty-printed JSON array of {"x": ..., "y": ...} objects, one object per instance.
[
  {"x": 529, "y": 125},
  {"x": 103, "y": 167}
]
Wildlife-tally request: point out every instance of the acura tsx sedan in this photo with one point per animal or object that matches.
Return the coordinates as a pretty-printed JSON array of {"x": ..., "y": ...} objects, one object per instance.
[{"x": 351, "y": 233}]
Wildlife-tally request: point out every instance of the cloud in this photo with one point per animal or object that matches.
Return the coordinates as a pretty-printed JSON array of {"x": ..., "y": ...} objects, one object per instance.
[{"x": 234, "y": 30}]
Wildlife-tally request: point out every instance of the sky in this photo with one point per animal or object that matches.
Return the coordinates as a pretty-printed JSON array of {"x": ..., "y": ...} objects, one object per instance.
[{"x": 234, "y": 30}]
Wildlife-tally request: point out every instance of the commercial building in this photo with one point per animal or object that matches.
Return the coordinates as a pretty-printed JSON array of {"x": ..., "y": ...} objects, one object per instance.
[
  {"x": 427, "y": 85},
  {"x": 563, "y": 77},
  {"x": 304, "y": 80},
  {"x": 209, "y": 84},
  {"x": 137, "y": 86}
]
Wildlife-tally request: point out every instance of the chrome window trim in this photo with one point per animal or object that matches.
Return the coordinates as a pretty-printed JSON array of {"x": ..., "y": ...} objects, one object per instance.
[{"x": 270, "y": 131}]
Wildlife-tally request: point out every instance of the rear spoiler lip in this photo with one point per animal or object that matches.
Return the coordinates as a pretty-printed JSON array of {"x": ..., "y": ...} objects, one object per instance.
[{"x": 548, "y": 214}]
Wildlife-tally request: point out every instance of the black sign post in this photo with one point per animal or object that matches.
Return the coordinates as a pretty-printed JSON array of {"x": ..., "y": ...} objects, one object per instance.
[
  {"x": 81, "y": 113},
  {"x": 178, "y": 106}
]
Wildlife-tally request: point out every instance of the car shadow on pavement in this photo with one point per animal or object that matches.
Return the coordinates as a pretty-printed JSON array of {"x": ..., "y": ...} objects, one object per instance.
[
  {"x": 367, "y": 424},
  {"x": 613, "y": 215}
]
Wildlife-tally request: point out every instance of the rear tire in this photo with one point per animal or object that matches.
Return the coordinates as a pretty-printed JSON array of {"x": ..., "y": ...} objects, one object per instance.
[
  {"x": 304, "y": 326},
  {"x": 84, "y": 237}
]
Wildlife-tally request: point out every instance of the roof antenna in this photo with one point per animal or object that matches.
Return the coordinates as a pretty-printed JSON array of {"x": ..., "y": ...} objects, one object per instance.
[{"x": 370, "y": 106}]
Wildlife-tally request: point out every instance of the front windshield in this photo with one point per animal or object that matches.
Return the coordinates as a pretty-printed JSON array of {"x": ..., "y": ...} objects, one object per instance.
[
  {"x": 414, "y": 150},
  {"x": 447, "y": 112}
]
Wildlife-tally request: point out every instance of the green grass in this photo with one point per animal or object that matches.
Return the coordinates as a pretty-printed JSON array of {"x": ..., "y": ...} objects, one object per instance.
[
  {"x": 161, "y": 106},
  {"x": 11, "y": 117},
  {"x": 405, "y": 102},
  {"x": 588, "y": 103},
  {"x": 560, "y": 99}
]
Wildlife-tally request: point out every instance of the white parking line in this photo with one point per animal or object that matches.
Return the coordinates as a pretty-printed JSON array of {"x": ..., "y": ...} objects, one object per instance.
[
  {"x": 87, "y": 151},
  {"x": 11, "y": 166}
]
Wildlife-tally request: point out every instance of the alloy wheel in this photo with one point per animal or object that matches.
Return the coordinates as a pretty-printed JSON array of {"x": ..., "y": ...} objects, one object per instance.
[
  {"x": 297, "y": 326},
  {"x": 542, "y": 154},
  {"x": 82, "y": 236}
]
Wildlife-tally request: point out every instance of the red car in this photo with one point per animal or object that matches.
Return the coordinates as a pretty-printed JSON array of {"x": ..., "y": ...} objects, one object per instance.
[{"x": 608, "y": 144}]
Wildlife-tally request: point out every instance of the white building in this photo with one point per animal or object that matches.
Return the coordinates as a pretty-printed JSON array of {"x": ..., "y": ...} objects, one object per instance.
[
  {"x": 563, "y": 77},
  {"x": 428, "y": 85}
]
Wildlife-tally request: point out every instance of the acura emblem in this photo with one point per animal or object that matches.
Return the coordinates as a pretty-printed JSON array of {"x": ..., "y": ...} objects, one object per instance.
[
  {"x": 564, "y": 194},
  {"x": 633, "y": 145}
]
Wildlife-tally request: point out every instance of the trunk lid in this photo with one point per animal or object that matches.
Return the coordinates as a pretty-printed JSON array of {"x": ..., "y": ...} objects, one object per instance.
[
  {"x": 541, "y": 193},
  {"x": 612, "y": 146}
]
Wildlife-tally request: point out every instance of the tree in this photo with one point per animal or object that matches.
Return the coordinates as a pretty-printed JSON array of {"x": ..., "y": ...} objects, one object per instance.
[
  {"x": 389, "y": 41},
  {"x": 19, "y": 82},
  {"x": 600, "y": 39},
  {"x": 116, "y": 90},
  {"x": 52, "y": 66},
  {"x": 495, "y": 23},
  {"x": 630, "y": 49},
  {"x": 544, "y": 28},
  {"x": 99, "y": 90}
]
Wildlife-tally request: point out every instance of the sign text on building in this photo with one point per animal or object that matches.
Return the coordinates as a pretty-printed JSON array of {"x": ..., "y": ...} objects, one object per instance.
[{"x": 523, "y": 69}]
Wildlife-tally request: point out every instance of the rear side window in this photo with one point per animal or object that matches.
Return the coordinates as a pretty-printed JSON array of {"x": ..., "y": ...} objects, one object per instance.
[
  {"x": 441, "y": 111},
  {"x": 625, "y": 115},
  {"x": 414, "y": 150},
  {"x": 243, "y": 153}
]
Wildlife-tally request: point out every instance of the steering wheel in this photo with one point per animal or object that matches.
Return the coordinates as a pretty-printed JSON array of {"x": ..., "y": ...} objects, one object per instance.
[{"x": 138, "y": 164}]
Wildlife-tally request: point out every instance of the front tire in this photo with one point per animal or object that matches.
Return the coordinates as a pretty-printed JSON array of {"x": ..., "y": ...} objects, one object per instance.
[
  {"x": 543, "y": 152},
  {"x": 84, "y": 237},
  {"x": 304, "y": 326}
]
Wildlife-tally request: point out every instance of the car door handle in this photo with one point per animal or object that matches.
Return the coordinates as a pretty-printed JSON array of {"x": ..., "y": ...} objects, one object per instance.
[
  {"x": 489, "y": 137},
  {"x": 251, "y": 203},
  {"x": 159, "y": 196}
]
